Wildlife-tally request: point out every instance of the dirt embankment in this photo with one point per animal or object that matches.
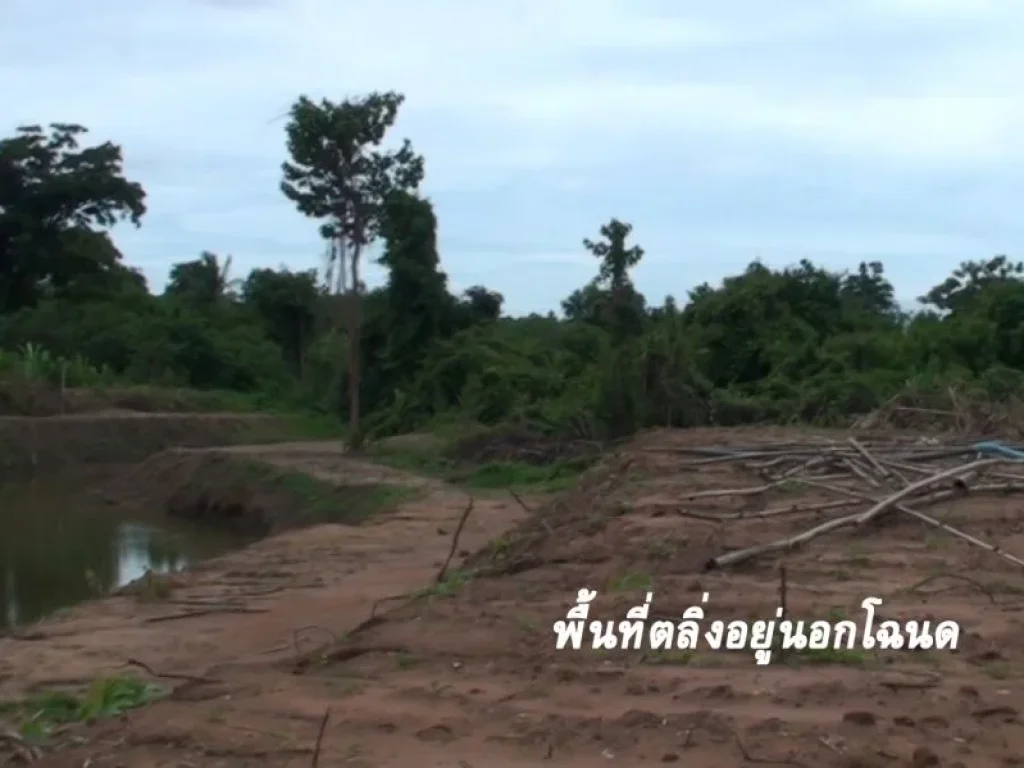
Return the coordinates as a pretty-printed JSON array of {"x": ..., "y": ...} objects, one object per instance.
[
  {"x": 35, "y": 445},
  {"x": 265, "y": 489},
  {"x": 341, "y": 642},
  {"x": 44, "y": 429},
  {"x": 30, "y": 397}
]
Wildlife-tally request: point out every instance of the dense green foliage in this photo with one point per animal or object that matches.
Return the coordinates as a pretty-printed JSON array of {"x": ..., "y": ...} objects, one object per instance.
[{"x": 800, "y": 343}]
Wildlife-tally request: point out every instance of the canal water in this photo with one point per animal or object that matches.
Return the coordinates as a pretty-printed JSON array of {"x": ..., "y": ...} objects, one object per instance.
[{"x": 60, "y": 544}]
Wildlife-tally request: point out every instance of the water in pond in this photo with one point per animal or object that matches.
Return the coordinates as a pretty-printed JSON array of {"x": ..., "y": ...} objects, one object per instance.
[{"x": 60, "y": 545}]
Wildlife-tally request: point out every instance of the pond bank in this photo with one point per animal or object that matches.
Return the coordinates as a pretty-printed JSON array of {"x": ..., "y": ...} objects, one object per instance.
[
  {"x": 60, "y": 544},
  {"x": 229, "y": 625},
  {"x": 84, "y": 534},
  {"x": 35, "y": 446}
]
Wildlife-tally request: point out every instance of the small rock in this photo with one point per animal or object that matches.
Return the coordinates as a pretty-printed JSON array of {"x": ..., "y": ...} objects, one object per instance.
[
  {"x": 436, "y": 733},
  {"x": 924, "y": 757},
  {"x": 566, "y": 674},
  {"x": 669, "y": 757},
  {"x": 860, "y": 717},
  {"x": 1005, "y": 713},
  {"x": 990, "y": 655}
]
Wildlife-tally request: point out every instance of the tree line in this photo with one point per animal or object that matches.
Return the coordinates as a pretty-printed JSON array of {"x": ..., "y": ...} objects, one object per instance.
[{"x": 801, "y": 343}]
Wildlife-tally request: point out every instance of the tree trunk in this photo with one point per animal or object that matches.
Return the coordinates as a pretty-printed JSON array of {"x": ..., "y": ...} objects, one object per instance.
[
  {"x": 302, "y": 352},
  {"x": 354, "y": 348}
]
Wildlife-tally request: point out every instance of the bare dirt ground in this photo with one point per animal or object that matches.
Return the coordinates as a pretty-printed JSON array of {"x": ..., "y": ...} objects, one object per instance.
[{"x": 466, "y": 674}]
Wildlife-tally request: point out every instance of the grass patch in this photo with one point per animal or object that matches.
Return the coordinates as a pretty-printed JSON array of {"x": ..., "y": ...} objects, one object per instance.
[
  {"x": 404, "y": 660},
  {"x": 441, "y": 454},
  {"x": 449, "y": 585},
  {"x": 289, "y": 427},
  {"x": 37, "y": 717},
  {"x": 323, "y": 502},
  {"x": 516, "y": 475},
  {"x": 495, "y": 475},
  {"x": 254, "y": 498},
  {"x": 631, "y": 582}
]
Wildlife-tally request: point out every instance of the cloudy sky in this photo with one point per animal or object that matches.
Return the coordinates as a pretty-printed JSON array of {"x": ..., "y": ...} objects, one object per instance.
[{"x": 837, "y": 130}]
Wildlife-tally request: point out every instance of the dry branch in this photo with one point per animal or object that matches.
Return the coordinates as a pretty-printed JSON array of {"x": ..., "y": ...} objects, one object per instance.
[
  {"x": 887, "y": 503},
  {"x": 859, "y": 461},
  {"x": 455, "y": 541}
]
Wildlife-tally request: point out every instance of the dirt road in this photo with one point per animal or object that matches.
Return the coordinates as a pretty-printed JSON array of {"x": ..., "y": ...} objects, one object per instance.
[{"x": 467, "y": 674}]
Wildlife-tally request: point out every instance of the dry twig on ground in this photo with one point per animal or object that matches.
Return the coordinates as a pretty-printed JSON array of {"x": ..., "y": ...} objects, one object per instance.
[{"x": 871, "y": 475}]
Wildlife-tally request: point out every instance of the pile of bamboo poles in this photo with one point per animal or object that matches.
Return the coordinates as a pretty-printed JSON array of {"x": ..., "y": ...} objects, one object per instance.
[{"x": 877, "y": 478}]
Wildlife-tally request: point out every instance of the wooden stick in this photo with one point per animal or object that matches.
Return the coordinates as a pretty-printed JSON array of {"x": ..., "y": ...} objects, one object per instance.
[
  {"x": 793, "y": 542},
  {"x": 887, "y": 503},
  {"x": 455, "y": 541},
  {"x": 994, "y": 549}
]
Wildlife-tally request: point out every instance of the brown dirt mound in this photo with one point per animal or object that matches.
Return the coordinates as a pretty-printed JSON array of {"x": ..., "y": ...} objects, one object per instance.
[
  {"x": 246, "y": 492},
  {"x": 481, "y": 650}
]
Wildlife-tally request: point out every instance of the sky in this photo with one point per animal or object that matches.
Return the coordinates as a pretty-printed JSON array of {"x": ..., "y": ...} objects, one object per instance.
[{"x": 834, "y": 130}]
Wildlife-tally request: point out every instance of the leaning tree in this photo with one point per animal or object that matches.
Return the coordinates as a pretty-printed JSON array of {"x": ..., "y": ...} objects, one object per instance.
[{"x": 339, "y": 174}]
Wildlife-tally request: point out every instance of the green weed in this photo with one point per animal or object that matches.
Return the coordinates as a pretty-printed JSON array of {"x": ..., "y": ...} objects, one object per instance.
[
  {"x": 324, "y": 502},
  {"x": 36, "y": 717},
  {"x": 630, "y": 582},
  {"x": 449, "y": 585}
]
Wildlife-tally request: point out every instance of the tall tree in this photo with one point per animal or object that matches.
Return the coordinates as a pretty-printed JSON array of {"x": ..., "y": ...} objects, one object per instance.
[
  {"x": 479, "y": 305},
  {"x": 623, "y": 307},
  {"x": 286, "y": 303},
  {"x": 418, "y": 301},
  {"x": 338, "y": 174},
  {"x": 55, "y": 196},
  {"x": 961, "y": 289}
]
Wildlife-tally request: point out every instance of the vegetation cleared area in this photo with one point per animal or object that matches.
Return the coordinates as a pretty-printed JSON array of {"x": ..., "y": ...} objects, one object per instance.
[{"x": 434, "y": 617}]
